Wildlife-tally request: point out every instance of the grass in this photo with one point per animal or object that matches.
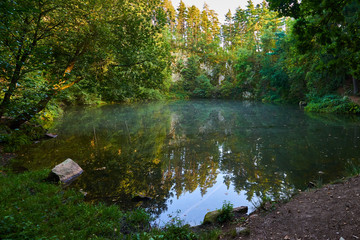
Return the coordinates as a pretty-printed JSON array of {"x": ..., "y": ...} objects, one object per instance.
[
  {"x": 33, "y": 209},
  {"x": 353, "y": 169}
]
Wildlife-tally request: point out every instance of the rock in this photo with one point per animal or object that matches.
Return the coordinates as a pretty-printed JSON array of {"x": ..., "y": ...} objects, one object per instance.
[
  {"x": 242, "y": 231},
  {"x": 311, "y": 185},
  {"x": 50, "y": 135},
  {"x": 83, "y": 192},
  {"x": 242, "y": 209},
  {"x": 66, "y": 172},
  {"x": 140, "y": 197},
  {"x": 302, "y": 103},
  {"x": 100, "y": 169},
  {"x": 211, "y": 217}
]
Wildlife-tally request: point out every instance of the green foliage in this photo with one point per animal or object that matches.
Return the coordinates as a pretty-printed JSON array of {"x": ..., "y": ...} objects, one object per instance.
[
  {"x": 265, "y": 203},
  {"x": 352, "y": 169},
  {"x": 204, "y": 88},
  {"x": 226, "y": 212},
  {"x": 190, "y": 72},
  {"x": 114, "y": 56},
  {"x": 177, "y": 230},
  {"x": 13, "y": 140},
  {"x": 32, "y": 208},
  {"x": 226, "y": 89},
  {"x": 329, "y": 30},
  {"x": 332, "y": 104}
]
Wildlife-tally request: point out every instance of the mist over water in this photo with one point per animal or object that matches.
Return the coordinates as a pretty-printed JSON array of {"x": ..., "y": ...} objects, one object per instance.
[{"x": 194, "y": 155}]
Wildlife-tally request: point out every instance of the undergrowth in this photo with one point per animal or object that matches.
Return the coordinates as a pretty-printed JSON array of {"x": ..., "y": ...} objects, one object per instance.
[
  {"x": 33, "y": 209},
  {"x": 226, "y": 212},
  {"x": 332, "y": 104},
  {"x": 13, "y": 140}
]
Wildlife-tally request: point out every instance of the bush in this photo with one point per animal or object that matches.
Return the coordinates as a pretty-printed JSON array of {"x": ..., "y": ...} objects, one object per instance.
[
  {"x": 226, "y": 212},
  {"x": 13, "y": 140},
  {"x": 204, "y": 88},
  {"x": 176, "y": 230},
  {"x": 332, "y": 104}
]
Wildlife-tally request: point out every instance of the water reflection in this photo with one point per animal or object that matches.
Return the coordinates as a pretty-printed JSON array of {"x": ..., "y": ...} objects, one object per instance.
[{"x": 182, "y": 152}]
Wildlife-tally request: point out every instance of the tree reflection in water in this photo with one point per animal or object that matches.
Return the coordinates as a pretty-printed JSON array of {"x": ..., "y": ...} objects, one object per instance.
[{"x": 164, "y": 150}]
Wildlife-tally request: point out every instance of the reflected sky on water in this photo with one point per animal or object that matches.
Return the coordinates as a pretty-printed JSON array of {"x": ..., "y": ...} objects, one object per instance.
[{"x": 194, "y": 155}]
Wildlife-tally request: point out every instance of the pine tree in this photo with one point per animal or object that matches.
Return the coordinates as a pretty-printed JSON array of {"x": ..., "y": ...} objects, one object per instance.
[
  {"x": 193, "y": 26},
  {"x": 170, "y": 14},
  {"x": 181, "y": 20}
]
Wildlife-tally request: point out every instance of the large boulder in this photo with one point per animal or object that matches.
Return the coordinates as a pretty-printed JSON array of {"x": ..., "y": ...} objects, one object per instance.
[
  {"x": 66, "y": 172},
  {"x": 211, "y": 217}
]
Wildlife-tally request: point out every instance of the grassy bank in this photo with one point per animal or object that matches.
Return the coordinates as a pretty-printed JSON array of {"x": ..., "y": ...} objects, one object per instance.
[{"x": 33, "y": 209}]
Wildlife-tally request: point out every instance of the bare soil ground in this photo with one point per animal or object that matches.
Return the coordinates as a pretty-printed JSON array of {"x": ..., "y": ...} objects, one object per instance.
[{"x": 331, "y": 212}]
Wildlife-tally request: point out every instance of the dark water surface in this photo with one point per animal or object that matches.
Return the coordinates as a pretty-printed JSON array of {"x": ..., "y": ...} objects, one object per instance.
[{"x": 194, "y": 155}]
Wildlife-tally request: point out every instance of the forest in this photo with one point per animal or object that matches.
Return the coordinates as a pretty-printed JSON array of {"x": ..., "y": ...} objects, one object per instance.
[
  {"x": 124, "y": 83},
  {"x": 58, "y": 53}
]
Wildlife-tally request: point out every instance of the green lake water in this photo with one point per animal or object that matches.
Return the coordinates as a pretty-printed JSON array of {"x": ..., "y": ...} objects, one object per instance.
[{"x": 191, "y": 156}]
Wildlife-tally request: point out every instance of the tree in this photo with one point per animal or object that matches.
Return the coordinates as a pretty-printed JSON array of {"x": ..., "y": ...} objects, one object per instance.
[
  {"x": 181, "y": 19},
  {"x": 48, "y": 46},
  {"x": 228, "y": 30},
  {"x": 171, "y": 14},
  {"x": 330, "y": 25},
  {"x": 193, "y": 26}
]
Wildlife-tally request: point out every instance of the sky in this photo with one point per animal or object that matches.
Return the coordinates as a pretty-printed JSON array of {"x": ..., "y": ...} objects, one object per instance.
[{"x": 220, "y": 6}]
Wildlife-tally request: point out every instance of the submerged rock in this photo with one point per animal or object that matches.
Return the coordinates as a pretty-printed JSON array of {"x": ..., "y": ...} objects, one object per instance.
[
  {"x": 140, "y": 197},
  {"x": 66, "y": 172},
  {"x": 51, "y": 135}
]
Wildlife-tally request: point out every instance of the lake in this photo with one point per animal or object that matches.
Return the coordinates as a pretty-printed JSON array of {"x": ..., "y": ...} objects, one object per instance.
[{"x": 191, "y": 156}]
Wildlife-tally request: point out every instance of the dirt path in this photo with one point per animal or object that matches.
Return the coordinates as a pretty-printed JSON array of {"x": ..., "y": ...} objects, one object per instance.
[{"x": 332, "y": 212}]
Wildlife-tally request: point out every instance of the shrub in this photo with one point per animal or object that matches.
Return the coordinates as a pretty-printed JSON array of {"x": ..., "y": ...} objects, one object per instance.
[
  {"x": 226, "y": 212},
  {"x": 332, "y": 104},
  {"x": 176, "y": 230}
]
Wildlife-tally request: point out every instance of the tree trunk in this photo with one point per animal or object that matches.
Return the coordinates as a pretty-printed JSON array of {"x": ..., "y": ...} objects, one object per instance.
[
  {"x": 20, "y": 59},
  {"x": 26, "y": 116},
  {"x": 355, "y": 85},
  {"x": 12, "y": 86}
]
